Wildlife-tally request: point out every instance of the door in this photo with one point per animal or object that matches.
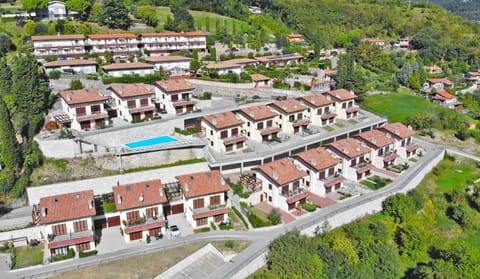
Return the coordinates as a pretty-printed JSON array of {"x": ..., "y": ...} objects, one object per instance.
[
  {"x": 113, "y": 221},
  {"x": 178, "y": 208},
  {"x": 85, "y": 125},
  {"x": 261, "y": 198},
  {"x": 136, "y": 235}
]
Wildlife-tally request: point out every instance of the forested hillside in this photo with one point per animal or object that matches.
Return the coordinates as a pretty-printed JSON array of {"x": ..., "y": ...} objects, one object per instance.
[{"x": 467, "y": 8}]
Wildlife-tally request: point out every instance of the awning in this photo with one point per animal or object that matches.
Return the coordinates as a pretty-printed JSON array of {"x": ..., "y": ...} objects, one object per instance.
[
  {"x": 213, "y": 212},
  {"x": 234, "y": 140},
  {"x": 69, "y": 242},
  {"x": 145, "y": 227}
]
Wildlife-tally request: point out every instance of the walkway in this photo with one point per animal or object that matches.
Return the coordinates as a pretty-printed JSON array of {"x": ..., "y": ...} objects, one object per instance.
[
  {"x": 322, "y": 202},
  {"x": 266, "y": 207}
]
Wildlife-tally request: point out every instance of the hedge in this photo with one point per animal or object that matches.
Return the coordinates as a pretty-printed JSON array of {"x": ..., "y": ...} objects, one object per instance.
[
  {"x": 87, "y": 254},
  {"x": 309, "y": 207},
  {"x": 240, "y": 215},
  {"x": 61, "y": 257}
]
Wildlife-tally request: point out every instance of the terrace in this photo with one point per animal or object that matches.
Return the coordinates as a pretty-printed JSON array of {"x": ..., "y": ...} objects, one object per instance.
[{"x": 143, "y": 223}]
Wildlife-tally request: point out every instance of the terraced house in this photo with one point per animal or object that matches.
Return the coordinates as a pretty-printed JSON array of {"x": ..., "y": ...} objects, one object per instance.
[
  {"x": 223, "y": 131},
  {"x": 403, "y": 135},
  {"x": 59, "y": 45},
  {"x": 291, "y": 117},
  {"x": 383, "y": 152},
  {"x": 133, "y": 101},
  {"x": 68, "y": 220},
  {"x": 84, "y": 108},
  {"x": 141, "y": 209},
  {"x": 321, "y": 110},
  {"x": 355, "y": 156},
  {"x": 204, "y": 198},
  {"x": 120, "y": 45},
  {"x": 345, "y": 106},
  {"x": 259, "y": 123},
  {"x": 175, "y": 96}
]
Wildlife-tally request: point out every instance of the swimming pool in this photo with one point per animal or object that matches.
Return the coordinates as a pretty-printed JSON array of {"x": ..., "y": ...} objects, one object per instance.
[{"x": 150, "y": 142}]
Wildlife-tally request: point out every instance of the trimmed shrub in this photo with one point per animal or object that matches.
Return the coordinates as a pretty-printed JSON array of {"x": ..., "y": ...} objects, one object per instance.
[
  {"x": 82, "y": 254},
  {"x": 214, "y": 227},
  {"x": 61, "y": 257},
  {"x": 54, "y": 74},
  {"x": 240, "y": 215},
  {"x": 309, "y": 207},
  {"x": 275, "y": 217},
  {"x": 256, "y": 221}
]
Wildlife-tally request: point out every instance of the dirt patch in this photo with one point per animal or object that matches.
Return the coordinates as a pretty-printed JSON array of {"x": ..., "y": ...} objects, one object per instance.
[
  {"x": 146, "y": 266},
  {"x": 442, "y": 138}
]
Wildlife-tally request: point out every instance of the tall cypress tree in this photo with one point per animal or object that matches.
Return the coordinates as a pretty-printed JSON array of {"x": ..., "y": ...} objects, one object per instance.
[
  {"x": 5, "y": 77},
  {"x": 9, "y": 147},
  {"x": 26, "y": 85}
]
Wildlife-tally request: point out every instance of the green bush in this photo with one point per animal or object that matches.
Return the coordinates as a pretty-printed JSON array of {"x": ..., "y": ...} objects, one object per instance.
[
  {"x": 214, "y": 227},
  {"x": 148, "y": 239},
  {"x": 244, "y": 204},
  {"x": 275, "y": 217},
  {"x": 230, "y": 244},
  {"x": 245, "y": 195},
  {"x": 237, "y": 188},
  {"x": 256, "y": 221},
  {"x": 109, "y": 206},
  {"x": 54, "y": 74},
  {"x": 225, "y": 227},
  {"x": 240, "y": 215},
  {"x": 149, "y": 79},
  {"x": 201, "y": 230},
  {"x": 205, "y": 96},
  {"x": 188, "y": 131},
  {"x": 82, "y": 254},
  {"x": 61, "y": 257},
  {"x": 309, "y": 207}
]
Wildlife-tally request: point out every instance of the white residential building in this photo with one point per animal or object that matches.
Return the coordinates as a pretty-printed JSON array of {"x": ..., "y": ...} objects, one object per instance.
[
  {"x": 222, "y": 131},
  {"x": 58, "y": 45},
  {"x": 323, "y": 168},
  {"x": 355, "y": 158},
  {"x": 120, "y": 45},
  {"x": 283, "y": 184},
  {"x": 292, "y": 118},
  {"x": 133, "y": 101},
  {"x": 321, "y": 109},
  {"x": 175, "y": 96},
  {"x": 204, "y": 197},
  {"x": 68, "y": 220},
  {"x": 77, "y": 66},
  {"x": 345, "y": 105},
  {"x": 259, "y": 123},
  {"x": 226, "y": 67},
  {"x": 165, "y": 42},
  {"x": 382, "y": 147},
  {"x": 85, "y": 108},
  {"x": 121, "y": 69},
  {"x": 140, "y": 206},
  {"x": 174, "y": 65},
  {"x": 403, "y": 136}
]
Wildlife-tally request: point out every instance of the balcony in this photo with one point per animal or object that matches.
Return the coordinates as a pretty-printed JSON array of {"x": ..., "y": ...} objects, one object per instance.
[
  {"x": 390, "y": 155},
  {"x": 270, "y": 130},
  {"x": 363, "y": 167},
  {"x": 301, "y": 122},
  {"x": 234, "y": 139},
  {"x": 142, "y": 224},
  {"x": 333, "y": 180},
  {"x": 55, "y": 241},
  {"x": 295, "y": 195},
  {"x": 209, "y": 211}
]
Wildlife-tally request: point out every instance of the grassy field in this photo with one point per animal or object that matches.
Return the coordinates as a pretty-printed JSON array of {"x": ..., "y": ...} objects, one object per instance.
[
  {"x": 398, "y": 107},
  {"x": 28, "y": 256}
]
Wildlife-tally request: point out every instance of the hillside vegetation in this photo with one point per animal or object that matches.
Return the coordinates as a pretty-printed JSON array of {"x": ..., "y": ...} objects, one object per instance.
[{"x": 430, "y": 233}]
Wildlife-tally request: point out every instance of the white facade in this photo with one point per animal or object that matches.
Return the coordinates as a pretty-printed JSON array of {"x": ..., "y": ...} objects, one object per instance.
[
  {"x": 228, "y": 139},
  {"x": 172, "y": 41},
  {"x": 198, "y": 217},
  {"x": 80, "y": 69},
  {"x": 292, "y": 123},
  {"x": 261, "y": 130},
  {"x": 320, "y": 115},
  {"x": 118, "y": 45},
  {"x": 58, "y": 45},
  {"x": 175, "y": 102},
  {"x": 134, "y": 107},
  {"x": 122, "y": 72},
  {"x": 74, "y": 236},
  {"x": 277, "y": 195},
  {"x": 56, "y": 10},
  {"x": 86, "y": 116},
  {"x": 323, "y": 181},
  {"x": 174, "y": 68},
  {"x": 148, "y": 226}
]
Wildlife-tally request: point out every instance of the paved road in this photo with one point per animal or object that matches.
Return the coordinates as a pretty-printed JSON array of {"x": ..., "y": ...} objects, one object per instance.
[{"x": 261, "y": 237}]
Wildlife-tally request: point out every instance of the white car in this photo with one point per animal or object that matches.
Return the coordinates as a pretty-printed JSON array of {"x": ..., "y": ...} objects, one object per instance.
[{"x": 175, "y": 231}]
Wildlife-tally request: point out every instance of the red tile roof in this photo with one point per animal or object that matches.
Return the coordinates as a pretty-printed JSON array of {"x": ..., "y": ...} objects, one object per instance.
[
  {"x": 281, "y": 171},
  {"x": 242, "y": 61},
  {"x": 440, "y": 80},
  {"x": 223, "y": 120},
  {"x": 289, "y": 106},
  {"x": 317, "y": 100},
  {"x": 127, "y": 66},
  {"x": 175, "y": 34},
  {"x": 349, "y": 148},
  {"x": 169, "y": 58},
  {"x": 278, "y": 58},
  {"x": 376, "y": 138},
  {"x": 445, "y": 94},
  {"x": 342, "y": 94},
  {"x": 224, "y": 65},
  {"x": 69, "y": 206},
  {"x": 139, "y": 194},
  {"x": 257, "y": 113},
  {"x": 398, "y": 129},
  {"x": 81, "y": 96},
  {"x": 58, "y": 37},
  {"x": 216, "y": 211},
  {"x": 202, "y": 183},
  {"x": 75, "y": 62},
  {"x": 131, "y": 90},
  {"x": 259, "y": 77},
  {"x": 112, "y": 36},
  {"x": 174, "y": 85},
  {"x": 317, "y": 158}
]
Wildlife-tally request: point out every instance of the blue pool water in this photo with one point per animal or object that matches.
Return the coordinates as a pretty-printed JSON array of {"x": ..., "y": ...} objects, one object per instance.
[{"x": 150, "y": 142}]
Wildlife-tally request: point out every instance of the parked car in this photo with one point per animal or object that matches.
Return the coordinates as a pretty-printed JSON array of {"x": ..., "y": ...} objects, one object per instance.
[{"x": 175, "y": 231}]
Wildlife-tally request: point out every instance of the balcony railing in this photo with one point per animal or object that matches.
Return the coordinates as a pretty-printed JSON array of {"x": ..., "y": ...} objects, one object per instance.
[
  {"x": 209, "y": 211},
  {"x": 69, "y": 236},
  {"x": 142, "y": 221},
  {"x": 296, "y": 191}
]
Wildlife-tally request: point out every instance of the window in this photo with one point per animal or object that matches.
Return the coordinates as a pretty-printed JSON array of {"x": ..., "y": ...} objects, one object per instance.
[
  {"x": 327, "y": 109},
  {"x": 291, "y": 118},
  {"x": 144, "y": 102},
  {"x": 229, "y": 148},
  {"x": 380, "y": 152},
  {"x": 260, "y": 125},
  {"x": 155, "y": 231},
  {"x": 269, "y": 186},
  {"x": 211, "y": 132},
  {"x": 234, "y": 132},
  {"x": 240, "y": 145},
  {"x": 153, "y": 211},
  {"x": 353, "y": 163},
  {"x": 299, "y": 116},
  {"x": 133, "y": 215},
  {"x": 223, "y": 134},
  {"x": 136, "y": 235},
  {"x": 331, "y": 171},
  {"x": 270, "y": 198},
  {"x": 198, "y": 203},
  {"x": 81, "y": 111},
  {"x": 174, "y": 98},
  {"x": 80, "y": 226},
  {"x": 131, "y": 103},
  {"x": 59, "y": 229},
  {"x": 83, "y": 246},
  {"x": 319, "y": 111},
  {"x": 269, "y": 123},
  {"x": 202, "y": 222},
  {"x": 215, "y": 200},
  {"x": 218, "y": 218},
  {"x": 248, "y": 124},
  {"x": 344, "y": 105}
]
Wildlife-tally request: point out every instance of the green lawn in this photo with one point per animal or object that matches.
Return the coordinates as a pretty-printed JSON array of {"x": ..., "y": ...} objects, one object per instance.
[
  {"x": 398, "y": 107},
  {"x": 455, "y": 176},
  {"x": 28, "y": 256}
]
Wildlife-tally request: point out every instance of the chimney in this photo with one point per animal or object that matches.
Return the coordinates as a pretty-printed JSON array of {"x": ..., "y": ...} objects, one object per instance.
[
  {"x": 141, "y": 198},
  {"x": 90, "y": 204},
  {"x": 161, "y": 192},
  {"x": 275, "y": 175},
  {"x": 119, "y": 199},
  {"x": 186, "y": 187},
  {"x": 44, "y": 212},
  {"x": 222, "y": 181}
]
